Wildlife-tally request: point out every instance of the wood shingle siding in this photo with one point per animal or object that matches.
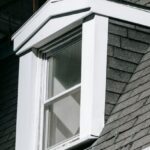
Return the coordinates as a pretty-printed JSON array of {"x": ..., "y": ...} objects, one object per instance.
[{"x": 8, "y": 101}]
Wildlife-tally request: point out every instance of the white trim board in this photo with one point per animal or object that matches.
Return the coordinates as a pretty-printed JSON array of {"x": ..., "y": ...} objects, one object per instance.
[
  {"x": 93, "y": 75},
  {"x": 50, "y": 31},
  {"x": 101, "y": 7},
  {"x": 148, "y": 148},
  {"x": 41, "y": 17},
  {"x": 121, "y": 11}
]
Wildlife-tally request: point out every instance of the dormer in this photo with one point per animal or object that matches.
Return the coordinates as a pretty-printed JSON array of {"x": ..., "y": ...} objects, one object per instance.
[{"x": 62, "y": 75}]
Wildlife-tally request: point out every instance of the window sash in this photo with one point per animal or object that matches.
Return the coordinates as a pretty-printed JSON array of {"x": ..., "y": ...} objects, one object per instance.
[
  {"x": 48, "y": 102},
  {"x": 48, "y": 51},
  {"x": 60, "y": 128},
  {"x": 64, "y": 68}
]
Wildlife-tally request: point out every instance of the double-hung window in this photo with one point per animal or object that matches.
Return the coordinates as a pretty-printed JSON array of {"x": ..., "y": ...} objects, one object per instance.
[
  {"x": 62, "y": 76},
  {"x": 63, "y": 82}
]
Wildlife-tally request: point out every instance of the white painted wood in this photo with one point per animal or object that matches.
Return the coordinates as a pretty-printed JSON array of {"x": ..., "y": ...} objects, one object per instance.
[
  {"x": 93, "y": 80},
  {"x": 43, "y": 95},
  {"x": 148, "y": 148},
  {"x": 28, "y": 103},
  {"x": 94, "y": 52},
  {"x": 75, "y": 141},
  {"x": 50, "y": 30},
  {"x": 121, "y": 11},
  {"x": 45, "y": 13},
  {"x": 106, "y": 8}
]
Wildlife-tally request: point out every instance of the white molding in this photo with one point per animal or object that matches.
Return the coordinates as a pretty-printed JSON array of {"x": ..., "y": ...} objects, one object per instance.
[
  {"x": 73, "y": 142},
  {"x": 93, "y": 80},
  {"x": 94, "y": 54},
  {"x": 28, "y": 103},
  {"x": 121, "y": 11},
  {"x": 148, "y": 148},
  {"x": 50, "y": 31},
  {"x": 101, "y": 7},
  {"x": 44, "y": 14}
]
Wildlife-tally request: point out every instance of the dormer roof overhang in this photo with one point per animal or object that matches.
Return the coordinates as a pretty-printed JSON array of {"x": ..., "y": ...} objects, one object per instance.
[{"x": 44, "y": 25}]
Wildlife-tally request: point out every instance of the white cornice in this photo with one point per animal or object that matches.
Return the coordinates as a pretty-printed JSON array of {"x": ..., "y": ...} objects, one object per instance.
[
  {"x": 50, "y": 30},
  {"x": 69, "y": 9},
  {"x": 48, "y": 11}
]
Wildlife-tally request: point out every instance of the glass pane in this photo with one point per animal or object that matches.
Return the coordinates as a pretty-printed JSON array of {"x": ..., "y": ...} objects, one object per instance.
[
  {"x": 65, "y": 68},
  {"x": 64, "y": 116}
]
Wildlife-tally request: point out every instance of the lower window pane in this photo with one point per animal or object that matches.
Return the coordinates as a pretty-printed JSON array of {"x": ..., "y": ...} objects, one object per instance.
[{"x": 64, "y": 116}]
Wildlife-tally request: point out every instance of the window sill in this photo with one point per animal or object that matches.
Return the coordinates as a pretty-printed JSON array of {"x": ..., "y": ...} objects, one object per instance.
[{"x": 71, "y": 143}]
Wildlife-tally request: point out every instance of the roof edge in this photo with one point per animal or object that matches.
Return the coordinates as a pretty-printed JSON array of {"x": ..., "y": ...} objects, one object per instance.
[{"x": 50, "y": 9}]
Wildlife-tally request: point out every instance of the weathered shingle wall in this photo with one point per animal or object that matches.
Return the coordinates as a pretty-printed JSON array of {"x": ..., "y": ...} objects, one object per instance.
[
  {"x": 126, "y": 46},
  {"x": 8, "y": 101},
  {"x": 128, "y": 127}
]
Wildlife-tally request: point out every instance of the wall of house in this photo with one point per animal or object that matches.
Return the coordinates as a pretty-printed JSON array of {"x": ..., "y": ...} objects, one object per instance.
[
  {"x": 126, "y": 46},
  {"x": 8, "y": 101},
  {"x": 128, "y": 125}
]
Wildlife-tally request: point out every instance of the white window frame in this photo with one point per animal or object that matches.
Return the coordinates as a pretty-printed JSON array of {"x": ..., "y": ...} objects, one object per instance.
[
  {"x": 90, "y": 124},
  {"x": 148, "y": 148},
  {"x": 92, "y": 80}
]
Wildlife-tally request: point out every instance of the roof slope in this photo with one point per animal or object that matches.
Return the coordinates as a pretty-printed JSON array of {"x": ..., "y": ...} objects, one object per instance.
[
  {"x": 128, "y": 127},
  {"x": 124, "y": 54}
]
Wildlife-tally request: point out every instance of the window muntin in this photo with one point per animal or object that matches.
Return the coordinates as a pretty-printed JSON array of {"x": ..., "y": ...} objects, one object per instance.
[{"x": 62, "y": 103}]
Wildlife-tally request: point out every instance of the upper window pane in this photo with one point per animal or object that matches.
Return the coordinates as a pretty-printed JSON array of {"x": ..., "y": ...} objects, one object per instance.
[{"x": 64, "y": 68}]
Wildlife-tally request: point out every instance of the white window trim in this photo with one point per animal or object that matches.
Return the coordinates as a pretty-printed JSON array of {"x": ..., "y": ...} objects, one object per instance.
[
  {"x": 148, "y": 148},
  {"x": 93, "y": 80},
  {"x": 29, "y": 86},
  {"x": 44, "y": 14},
  {"x": 90, "y": 122}
]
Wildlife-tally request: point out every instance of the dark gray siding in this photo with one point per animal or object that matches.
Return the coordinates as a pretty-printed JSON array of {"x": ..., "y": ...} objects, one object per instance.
[{"x": 8, "y": 101}]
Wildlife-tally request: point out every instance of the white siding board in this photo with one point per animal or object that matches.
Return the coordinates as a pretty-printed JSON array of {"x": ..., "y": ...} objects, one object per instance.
[{"x": 27, "y": 122}]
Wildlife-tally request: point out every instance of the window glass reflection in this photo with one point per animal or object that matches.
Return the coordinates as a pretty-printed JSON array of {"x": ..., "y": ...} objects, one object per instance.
[
  {"x": 65, "y": 68},
  {"x": 64, "y": 116}
]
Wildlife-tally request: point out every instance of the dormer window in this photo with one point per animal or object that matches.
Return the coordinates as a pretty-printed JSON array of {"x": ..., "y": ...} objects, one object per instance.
[
  {"x": 64, "y": 83},
  {"x": 62, "y": 74}
]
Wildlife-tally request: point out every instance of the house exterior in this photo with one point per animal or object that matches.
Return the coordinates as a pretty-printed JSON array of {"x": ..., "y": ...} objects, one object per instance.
[{"x": 106, "y": 94}]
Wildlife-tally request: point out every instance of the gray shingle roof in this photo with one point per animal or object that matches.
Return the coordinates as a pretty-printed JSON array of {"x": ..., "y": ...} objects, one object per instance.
[
  {"x": 128, "y": 124},
  {"x": 126, "y": 46}
]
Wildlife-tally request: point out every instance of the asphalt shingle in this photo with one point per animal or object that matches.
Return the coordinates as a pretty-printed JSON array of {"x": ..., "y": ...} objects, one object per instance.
[{"x": 128, "y": 127}]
